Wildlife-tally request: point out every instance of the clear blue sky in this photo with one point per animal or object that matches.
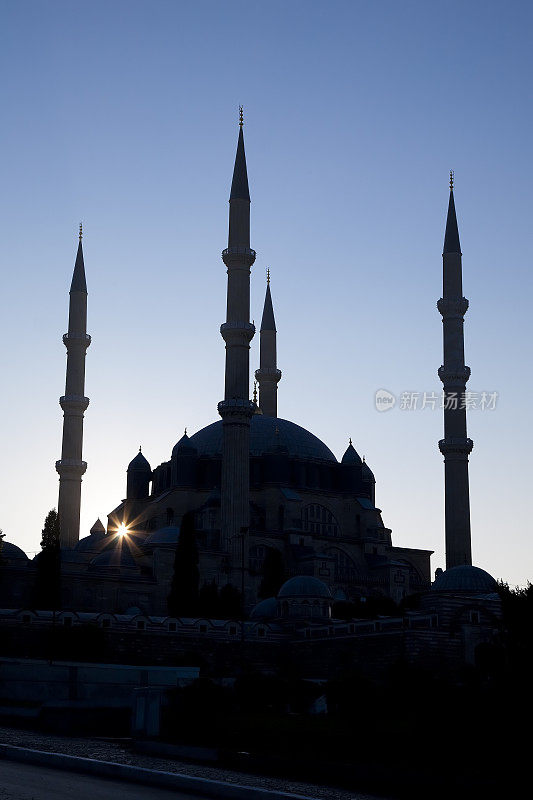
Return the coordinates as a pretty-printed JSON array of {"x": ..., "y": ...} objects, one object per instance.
[{"x": 124, "y": 115}]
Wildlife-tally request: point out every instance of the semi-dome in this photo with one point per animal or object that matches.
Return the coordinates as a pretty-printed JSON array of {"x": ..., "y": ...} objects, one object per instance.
[
  {"x": 266, "y": 434},
  {"x": 266, "y": 609},
  {"x": 12, "y": 552},
  {"x": 304, "y": 586},
  {"x": 140, "y": 463},
  {"x": 465, "y": 578},
  {"x": 164, "y": 536}
]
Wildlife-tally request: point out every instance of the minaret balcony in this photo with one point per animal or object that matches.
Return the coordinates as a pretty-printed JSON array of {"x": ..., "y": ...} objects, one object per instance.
[
  {"x": 452, "y": 308},
  {"x": 71, "y": 468},
  {"x": 76, "y": 339},
  {"x": 237, "y": 333},
  {"x": 74, "y": 404},
  {"x": 237, "y": 409},
  {"x": 235, "y": 257},
  {"x": 454, "y": 376},
  {"x": 456, "y": 446},
  {"x": 268, "y": 375}
]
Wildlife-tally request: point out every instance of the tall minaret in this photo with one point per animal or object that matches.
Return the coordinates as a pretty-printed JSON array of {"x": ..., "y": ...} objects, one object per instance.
[
  {"x": 237, "y": 409},
  {"x": 456, "y": 446},
  {"x": 268, "y": 375},
  {"x": 74, "y": 403}
]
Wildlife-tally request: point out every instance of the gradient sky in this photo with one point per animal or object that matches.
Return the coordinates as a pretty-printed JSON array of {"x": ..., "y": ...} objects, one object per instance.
[{"x": 124, "y": 115}]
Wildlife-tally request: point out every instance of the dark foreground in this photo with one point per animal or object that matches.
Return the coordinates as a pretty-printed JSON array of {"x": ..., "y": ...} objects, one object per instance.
[{"x": 29, "y": 782}]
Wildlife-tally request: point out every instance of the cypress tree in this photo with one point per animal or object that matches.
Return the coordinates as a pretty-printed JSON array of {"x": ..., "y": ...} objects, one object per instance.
[
  {"x": 273, "y": 573},
  {"x": 47, "y": 588},
  {"x": 230, "y": 603},
  {"x": 208, "y": 605},
  {"x": 183, "y": 597}
]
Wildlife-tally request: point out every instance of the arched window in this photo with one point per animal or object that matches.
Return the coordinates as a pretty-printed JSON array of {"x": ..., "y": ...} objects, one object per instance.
[
  {"x": 256, "y": 554},
  {"x": 170, "y": 516},
  {"x": 345, "y": 569},
  {"x": 319, "y": 520}
]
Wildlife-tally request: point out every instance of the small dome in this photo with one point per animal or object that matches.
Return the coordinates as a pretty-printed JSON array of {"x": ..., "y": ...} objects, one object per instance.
[
  {"x": 366, "y": 472},
  {"x": 134, "y": 611},
  {"x": 351, "y": 456},
  {"x": 12, "y": 552},
  {"x": 117, "y": 556},
  {"x": 304, "y": 586},
  {"x": 139, "y": 463},
  {"x": 266, "y": 609},
  {"x": 465, "y": 578},
  {"x": 93, "y": 543},
  {"x": 164, "y": 536},
  {"x": 184, "y": 446},
  {"x": 340, "y": 596}
]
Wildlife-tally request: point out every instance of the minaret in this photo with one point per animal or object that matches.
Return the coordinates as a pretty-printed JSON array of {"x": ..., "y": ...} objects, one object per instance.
[
  {"x": 237, "y": 409},
  {"x": 268, "y": 375},
  {"x": 74, "y": 403},
  {"x": 456, "y": 446}
]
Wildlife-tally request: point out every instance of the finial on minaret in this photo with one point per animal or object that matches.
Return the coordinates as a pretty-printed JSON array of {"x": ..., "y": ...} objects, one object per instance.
[
  {"x": 140, "y": 449},
  {"x": 255, "y": 392},
  {"x": 185, "y": 432},
  {"x": 241, "y": 117},
  {"x": 350, "y": 441},
  {"x": 451, "y": 180},
  {"x": 81, "y": 232},
  {"x": 268, "y": 276}
]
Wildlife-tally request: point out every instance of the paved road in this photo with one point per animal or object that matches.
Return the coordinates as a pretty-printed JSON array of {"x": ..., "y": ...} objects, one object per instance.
[{"x": 29, "y": 782}]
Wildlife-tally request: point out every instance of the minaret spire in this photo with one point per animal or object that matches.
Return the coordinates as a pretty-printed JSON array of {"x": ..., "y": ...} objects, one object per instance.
[
  {"x": 74, "y": 403},
  {"x": 237, "y": 409},
  {"x": 268, "y": 375},
  {"x": 456, "y": 446}
]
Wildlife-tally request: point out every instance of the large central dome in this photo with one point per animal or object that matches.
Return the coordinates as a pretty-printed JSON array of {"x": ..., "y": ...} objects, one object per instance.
[{"x": 266, "y": 433}]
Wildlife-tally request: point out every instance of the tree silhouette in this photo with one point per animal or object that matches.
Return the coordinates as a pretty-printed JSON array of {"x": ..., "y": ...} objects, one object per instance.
[
  {"x": 47, "y": 588},
  {"x": 183, "y": 597},
  {"x": 273, "y": 573},
  {"x": 208, "y": 602},
  {"x": 2, "y": 537},
  {"x": 230, "y": 606}
]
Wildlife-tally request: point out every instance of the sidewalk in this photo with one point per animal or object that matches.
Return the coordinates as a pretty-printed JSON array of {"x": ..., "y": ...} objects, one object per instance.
[{"x": 116, "y": 753}]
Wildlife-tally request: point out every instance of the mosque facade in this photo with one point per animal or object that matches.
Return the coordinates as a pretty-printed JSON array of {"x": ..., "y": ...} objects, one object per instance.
[
  {"x": 254, "y": 481},
  {"x": 255, "y": 484}
]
